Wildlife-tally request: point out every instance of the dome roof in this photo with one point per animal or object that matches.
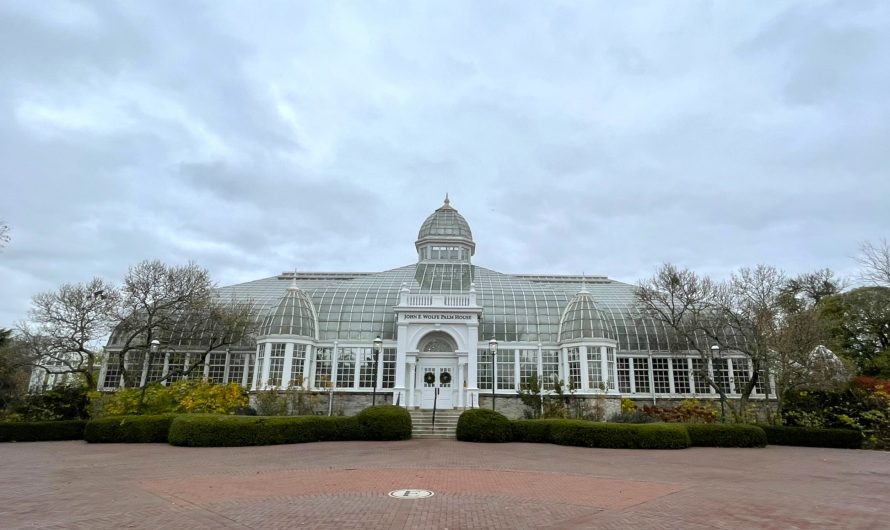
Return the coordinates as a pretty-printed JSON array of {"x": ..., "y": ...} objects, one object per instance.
[
  {"x": 445, "y": 222},
  {"x": 293, "y": 315},
  {"x": 582, "y": 319}
]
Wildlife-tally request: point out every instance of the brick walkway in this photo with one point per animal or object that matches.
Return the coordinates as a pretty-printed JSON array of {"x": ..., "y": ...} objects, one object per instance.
[{"x": 345, "y": 484}]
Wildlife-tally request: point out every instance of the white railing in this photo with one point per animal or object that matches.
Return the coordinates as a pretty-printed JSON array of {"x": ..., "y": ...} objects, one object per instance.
[
  {"x": 456, "y": 301},
  {"x": 438, "y": 300}
]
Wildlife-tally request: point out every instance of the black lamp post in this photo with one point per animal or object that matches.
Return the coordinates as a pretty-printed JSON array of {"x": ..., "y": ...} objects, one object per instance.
[
  {"x": 715, "y": 354},
  {"x": 378, "y": 346},
  {"x": 493, "y": 348}
]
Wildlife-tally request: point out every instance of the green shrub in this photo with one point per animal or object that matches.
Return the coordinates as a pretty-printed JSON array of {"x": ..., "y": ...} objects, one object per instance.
[
  {"x": 40, "y": 431},
  {"x": 62, "y": 402},
  {"x": 725, "y": 435},
  {"x": 619, "y": 435},
  {"x": 533, "y": 431},
  {"x": 188, "y": 396},
  {"x": 813, "y": 437},
  {"x": 385, "y": 422},
  {"x": 198, "y": 430},
  {"x": 484, "y": 425},
  {"x": 129, "y": 429}
]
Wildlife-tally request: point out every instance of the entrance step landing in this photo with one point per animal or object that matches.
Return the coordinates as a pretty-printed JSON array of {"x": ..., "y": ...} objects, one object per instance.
[{"x": 423, "y": 427}]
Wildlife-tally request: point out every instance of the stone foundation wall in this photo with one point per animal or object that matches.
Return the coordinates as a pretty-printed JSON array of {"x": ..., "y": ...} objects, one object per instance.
[{"x": 343, "y": 403}]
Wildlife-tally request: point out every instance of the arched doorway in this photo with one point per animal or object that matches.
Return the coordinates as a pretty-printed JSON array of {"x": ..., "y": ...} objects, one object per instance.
[{"x": 437, "y": 370}]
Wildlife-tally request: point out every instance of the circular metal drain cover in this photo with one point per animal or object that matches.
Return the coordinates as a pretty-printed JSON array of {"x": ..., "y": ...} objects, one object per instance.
[{"x": 410, "y": 494}]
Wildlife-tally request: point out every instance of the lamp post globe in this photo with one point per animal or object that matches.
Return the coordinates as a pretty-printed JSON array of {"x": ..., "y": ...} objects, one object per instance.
[
  {"x": 378, "y": 347},
  {"x": 154, "y": 345},
  {"x": 493, "y": 348}
]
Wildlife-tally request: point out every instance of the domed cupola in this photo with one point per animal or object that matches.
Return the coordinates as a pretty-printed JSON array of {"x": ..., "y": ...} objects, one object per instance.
[
  {"x": 445, "y": 236},
  {"x": 583, "y": 320},
  {"x": 293, "y": 315}
]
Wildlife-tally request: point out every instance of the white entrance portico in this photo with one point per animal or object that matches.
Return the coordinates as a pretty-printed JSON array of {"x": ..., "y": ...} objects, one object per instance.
[{"x": 436, "y": 356}]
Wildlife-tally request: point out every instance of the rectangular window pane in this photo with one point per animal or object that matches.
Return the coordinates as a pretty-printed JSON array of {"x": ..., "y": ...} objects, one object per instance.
[
  {"x": 298, "y": 361},
  {"x": 322, "y": 368},
  {"x": 236, "y": 368},
  {"x": 721, "y": 374},
  {"x": 389, "y": 368},
  {"x": 366, "y": 367},
  {"x": 505, "y": 370},
  {"x": 276, "y": 364},
  {"x": 681, "y": 376},
  {"x": 661, "y": 375},
  {"x": 345, "y": 368},
  {"x": 699, "y": 369},
  {"x": 155, "y": 367},
  {"x": 574, "y": 358},
  {"x": 483, "y": 369},
  {"x": 528, "y": 365},
  {"x": 216, "y": 367},
  {"x": 175, "y": 367},
  {"x": 549, "y": 368},
  {"x": 594, "y": 369},
  {"x": 740, "y": 374},
  {"x": 112, "y": 372},
  {"x": 624, "y": 375},
  {"x": 762, "y": 387},
  {"x": 641, "y": 374}
]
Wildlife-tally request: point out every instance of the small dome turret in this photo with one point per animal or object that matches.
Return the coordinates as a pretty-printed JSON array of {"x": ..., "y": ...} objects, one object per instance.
[
  {"x": 583, "y": 320},
  {"x": 446, "y": 226},
  {"x": 293, "y": 315}
]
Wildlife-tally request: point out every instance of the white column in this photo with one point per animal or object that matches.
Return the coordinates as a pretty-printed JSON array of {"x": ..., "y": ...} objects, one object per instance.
[
  {"x": 671, "y": 362},
  {"x": 334, "y": 359},
  {"x": 583, "y": 352},
  {"x": 459, "y": 382},
  {"x": 412, "y": 370},
  {"x": 244, "y": 376},
  {"x": 604, "y": 368},
  {"x": 267, "y": 360},
  {"x": 288, "y": 364},
  {"x": 309, "y": 367},
  {"x": 516, "y": 356}
]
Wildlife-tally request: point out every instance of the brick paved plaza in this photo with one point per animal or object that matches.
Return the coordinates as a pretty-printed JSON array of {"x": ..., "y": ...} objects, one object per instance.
[{"x": 345, "y": 485}]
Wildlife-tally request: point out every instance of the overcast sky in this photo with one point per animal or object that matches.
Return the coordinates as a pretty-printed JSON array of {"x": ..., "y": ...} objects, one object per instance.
[{"x": 606, "y": 138}]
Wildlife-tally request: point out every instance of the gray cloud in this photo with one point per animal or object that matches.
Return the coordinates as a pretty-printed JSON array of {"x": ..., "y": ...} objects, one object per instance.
[{"x": 603, "y": 138}]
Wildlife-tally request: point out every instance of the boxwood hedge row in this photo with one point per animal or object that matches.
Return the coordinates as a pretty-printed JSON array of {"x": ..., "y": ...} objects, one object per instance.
[
  {"x": 129, "y": 429},
  {"x": 725, "y": 435},
  {"x": 41, "y": 431},
  {"x": 483, "y": 425},
  {"x": 813, "y": 437},
  {"x": 374, "y": 423}
]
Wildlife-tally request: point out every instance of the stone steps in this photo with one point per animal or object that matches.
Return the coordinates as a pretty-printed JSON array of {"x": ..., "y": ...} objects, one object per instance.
[{"x": 422, "y": 423}]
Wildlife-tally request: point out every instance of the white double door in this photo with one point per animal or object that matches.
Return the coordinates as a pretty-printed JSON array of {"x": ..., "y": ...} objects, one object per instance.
[{"x": 437, "y": 380}]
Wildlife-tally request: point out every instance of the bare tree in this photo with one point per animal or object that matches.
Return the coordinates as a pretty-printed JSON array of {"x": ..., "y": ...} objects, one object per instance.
[
  {"x": 67, "y": 326},
  {"x": 759, "y": 313},
  {"x": 4, "y": 234},
  {"x": 176, "y": 306},
  {"x": 875, "y": 261}
]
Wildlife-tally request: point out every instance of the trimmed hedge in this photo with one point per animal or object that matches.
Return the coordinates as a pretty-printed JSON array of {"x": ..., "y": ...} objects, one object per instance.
[
  {"x": 484, "y": 425},
  {"x": 129, "y": 429},
  {"x": 619, "y": 435},
  {"x": 725, "y": 435},
  {"x": 234, "y": 431},
  {"x": 41, "y": 431},
  {"x": 385, "y": 422},
  {"x": 533, "y": 431},
  {"x": 813, "y": 437}
]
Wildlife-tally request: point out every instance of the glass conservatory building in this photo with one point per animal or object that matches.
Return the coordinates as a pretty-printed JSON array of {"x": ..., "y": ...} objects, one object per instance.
[{"x": 436, "y": 318}]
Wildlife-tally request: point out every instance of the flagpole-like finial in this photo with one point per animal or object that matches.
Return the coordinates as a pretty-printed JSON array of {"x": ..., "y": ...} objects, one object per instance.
[
  {"x": 446, "y": 198},
  {"x": 583, "y": 282},
  {"x": 293, "y": 280}
]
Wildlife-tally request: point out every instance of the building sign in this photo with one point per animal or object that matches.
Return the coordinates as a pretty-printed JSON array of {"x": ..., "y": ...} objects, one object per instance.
[{"x": 438, "y": 316}]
